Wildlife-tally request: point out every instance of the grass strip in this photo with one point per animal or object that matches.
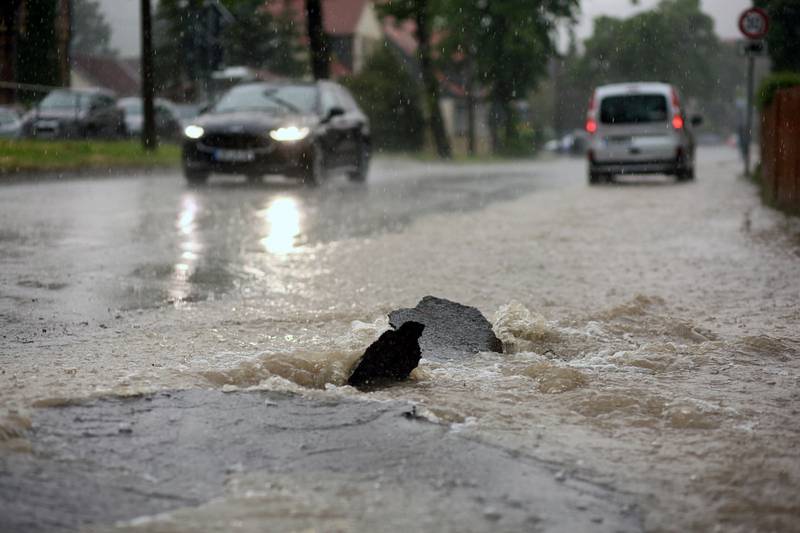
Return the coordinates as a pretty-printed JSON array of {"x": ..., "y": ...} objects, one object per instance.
[{"x": 34, "y": 156}]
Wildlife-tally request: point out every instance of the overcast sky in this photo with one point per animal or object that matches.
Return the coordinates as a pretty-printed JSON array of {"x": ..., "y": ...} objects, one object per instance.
[{"x": 123, "y": 15}]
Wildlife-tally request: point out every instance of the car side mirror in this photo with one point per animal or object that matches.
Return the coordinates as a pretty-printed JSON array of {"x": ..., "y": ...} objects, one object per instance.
[
  {"x": 697, "y": 120},
  {"x": 334, "y": 112}
]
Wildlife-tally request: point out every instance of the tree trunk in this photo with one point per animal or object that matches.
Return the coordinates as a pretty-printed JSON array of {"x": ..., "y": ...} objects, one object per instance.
[
  {"x": 510, "y": 124},
  {"x": 149, "y": 140},
  {"x": 429, "y": 80},
  {"x": 9, "y": 14},
  {"x": 494, "y": 126},
  {"x": 471, "y": 136},
  {"x": 320, "y": 58}
]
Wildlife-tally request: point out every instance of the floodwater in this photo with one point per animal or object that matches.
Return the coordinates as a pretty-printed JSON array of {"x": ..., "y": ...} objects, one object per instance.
[{"x": 652, "y": 329}]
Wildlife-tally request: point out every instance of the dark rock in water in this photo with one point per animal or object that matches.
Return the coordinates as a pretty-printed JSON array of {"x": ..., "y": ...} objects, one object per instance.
[
  {"x": 451, "y": 331},
  {"x": 390, "y": 358}
]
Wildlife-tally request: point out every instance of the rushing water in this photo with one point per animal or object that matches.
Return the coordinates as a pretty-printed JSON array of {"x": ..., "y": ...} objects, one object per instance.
[{"x": 651, "y": 334}]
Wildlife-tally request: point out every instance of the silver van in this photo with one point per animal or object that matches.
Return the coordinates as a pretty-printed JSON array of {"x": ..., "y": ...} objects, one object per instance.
[{"x": 638, "y": 128}]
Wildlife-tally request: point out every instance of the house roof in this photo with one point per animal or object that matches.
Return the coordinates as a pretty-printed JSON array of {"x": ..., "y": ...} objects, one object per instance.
[
  {"x": 108, "y": 72},
  {"x": 339, "y": 17}
]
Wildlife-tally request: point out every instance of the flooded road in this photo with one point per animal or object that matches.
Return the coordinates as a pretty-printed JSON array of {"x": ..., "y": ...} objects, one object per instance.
[{"x": 651, "y": 336}]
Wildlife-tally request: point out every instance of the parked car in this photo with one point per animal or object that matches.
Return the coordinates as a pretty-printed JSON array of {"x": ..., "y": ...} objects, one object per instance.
[
  {"x": 573, "y": 143},
  {"x": 75, "y": 113},
  {"x": 639, "y": 128},
  {"x": 10, "y": 123},
  {"x": 302, "y": 130},
  {"x": 168, "y": 122}
]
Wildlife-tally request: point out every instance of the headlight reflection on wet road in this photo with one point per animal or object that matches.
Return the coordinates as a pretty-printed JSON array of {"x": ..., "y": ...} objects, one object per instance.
[
  {"x": 283, "y": 218},
  {"x": 189, "y": 245}
]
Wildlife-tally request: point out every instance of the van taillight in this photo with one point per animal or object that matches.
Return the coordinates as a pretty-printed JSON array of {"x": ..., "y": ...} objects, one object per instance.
[
  {"x": 677, "y": 122},
  {"x": 591, "y": 125}
]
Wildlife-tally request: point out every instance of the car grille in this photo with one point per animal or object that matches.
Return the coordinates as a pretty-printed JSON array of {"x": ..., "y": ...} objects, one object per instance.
[{"x": 235, "y": 141}]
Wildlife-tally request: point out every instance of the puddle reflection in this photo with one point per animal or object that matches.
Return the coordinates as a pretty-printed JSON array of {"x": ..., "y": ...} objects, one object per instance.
[
  {"x": 283, "y": 222},
  {"x": 190, "y": 246}
]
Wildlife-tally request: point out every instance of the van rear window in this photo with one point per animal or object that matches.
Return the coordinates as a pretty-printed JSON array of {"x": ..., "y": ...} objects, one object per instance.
[{"x": 633, "y": 109}]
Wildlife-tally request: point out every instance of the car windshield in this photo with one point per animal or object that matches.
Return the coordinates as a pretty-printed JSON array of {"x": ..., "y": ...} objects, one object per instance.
[
  {"x": 633, "y": 109},
  {"x": 271, "y": 99},
  {"x": 64, "y": 100}
]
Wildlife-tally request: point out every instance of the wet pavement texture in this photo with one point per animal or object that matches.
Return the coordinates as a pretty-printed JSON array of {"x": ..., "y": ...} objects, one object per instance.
[
  {"x": 649, "y": 330},
  {"x": 115, "y": 460}
]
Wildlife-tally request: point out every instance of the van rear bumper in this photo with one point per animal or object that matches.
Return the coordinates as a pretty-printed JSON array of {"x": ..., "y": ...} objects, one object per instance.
[{"x": 663, "y": 166}]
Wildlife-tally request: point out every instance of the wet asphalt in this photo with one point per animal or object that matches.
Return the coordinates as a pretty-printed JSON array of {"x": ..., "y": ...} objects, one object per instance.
[
  {"x": 84, "y": 250},
  {"x": 81, "y": 249}
]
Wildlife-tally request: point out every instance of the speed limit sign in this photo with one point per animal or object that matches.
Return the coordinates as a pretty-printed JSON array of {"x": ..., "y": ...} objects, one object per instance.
[{"x": 754, "y": 23}]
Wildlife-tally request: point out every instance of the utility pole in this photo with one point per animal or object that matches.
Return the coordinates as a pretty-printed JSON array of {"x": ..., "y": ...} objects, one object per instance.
[
  {"x": 320, "y": 58},
  {"x": 149, "y": 140},
  {"x": 754, "y": 24},
  {"x": 748, "y": 124}
]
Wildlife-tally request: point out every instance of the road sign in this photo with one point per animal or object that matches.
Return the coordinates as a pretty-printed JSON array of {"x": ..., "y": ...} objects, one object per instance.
[
  {"x": 754, "y": 23},
  {"x": 752, "y": 48}
]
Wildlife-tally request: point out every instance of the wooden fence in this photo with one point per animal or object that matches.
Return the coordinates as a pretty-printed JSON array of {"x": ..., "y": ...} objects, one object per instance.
[{"x": 780, "y": 149}]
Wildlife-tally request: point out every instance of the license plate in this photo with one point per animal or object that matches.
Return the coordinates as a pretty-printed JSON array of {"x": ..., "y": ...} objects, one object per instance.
[{"x": 236, "y": 156}]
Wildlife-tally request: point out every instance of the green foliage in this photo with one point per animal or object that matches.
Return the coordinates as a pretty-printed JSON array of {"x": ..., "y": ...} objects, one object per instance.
[
  {"x": 260, "y": 40},
  {"x": 391, "y": 99},
  {"x": 188, "y": 46},
  {"x": 670, "y": 43},
  {"x": 771, "y": 84},
  {"x": 507, "y": 43},
  {"x": 673, "y": 43},
  {"x": 783, "y": 39},
  {"x": 91, "y": 33}
]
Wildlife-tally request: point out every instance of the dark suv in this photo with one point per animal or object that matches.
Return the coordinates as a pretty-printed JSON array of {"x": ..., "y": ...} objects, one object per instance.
[
  {"x": 303, "y": 130},
  {"x": 75, "y": 113}
]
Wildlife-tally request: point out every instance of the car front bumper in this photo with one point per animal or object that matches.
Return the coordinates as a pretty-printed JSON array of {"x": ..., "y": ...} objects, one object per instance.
[{"x": 289, "y": 158}]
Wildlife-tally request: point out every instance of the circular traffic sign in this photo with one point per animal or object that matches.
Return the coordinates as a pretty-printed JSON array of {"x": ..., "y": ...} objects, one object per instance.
[{"x": 754, "y": 23}]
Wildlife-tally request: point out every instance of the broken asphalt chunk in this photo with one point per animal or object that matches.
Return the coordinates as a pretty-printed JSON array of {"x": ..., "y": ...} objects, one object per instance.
[{"x": 451, "y": 331}]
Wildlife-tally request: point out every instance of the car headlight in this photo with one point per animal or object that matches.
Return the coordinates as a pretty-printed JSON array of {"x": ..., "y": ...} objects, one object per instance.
[
  {"x": 289, "y": 133},
  {"x": 193, "y": 131}
]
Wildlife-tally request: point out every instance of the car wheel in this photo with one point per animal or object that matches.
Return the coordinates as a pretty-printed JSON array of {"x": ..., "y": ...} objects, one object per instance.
[
  {"x": 195, "y": 177},
  {"x": 314, "y": 171},
  {"x": 362, "y": 164},
  {"x": 596, "y": 178}
]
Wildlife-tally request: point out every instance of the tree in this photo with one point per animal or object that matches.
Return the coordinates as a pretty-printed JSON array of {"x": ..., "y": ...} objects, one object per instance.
[
  {"x": 422, "y": 12},
  {"x": 91, "y": 33},
  {"x": 261, "y": 40},
  {"x": 655, "y": 46},
  {"x": 783, "y": 39},
  {"x": 673, "y": 42},
  {"x": 391, "y": 99},
  {"x": 195, "y": 37},
  {"x": 509, "y": 43}
]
